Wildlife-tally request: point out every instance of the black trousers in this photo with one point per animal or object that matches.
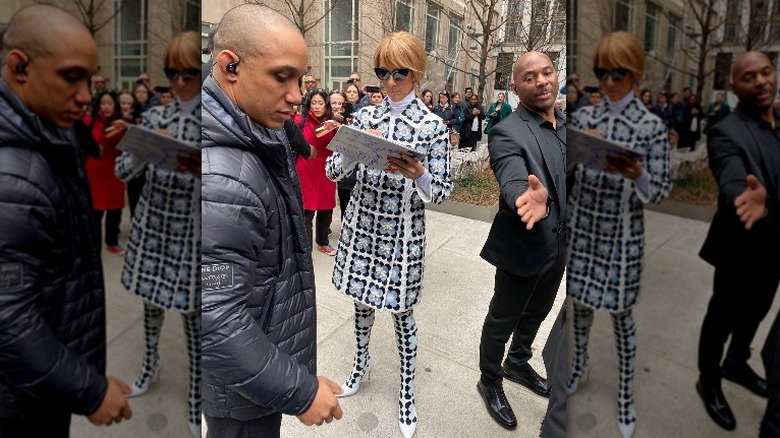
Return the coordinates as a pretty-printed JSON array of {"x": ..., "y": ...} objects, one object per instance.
[
  {"x": 518, "y": 307},
  {"x": 266, "y": 427},
  {"x": 742, "y": 295},
  {"x": 134, "y": 187},
  {"x": 113, "y": 217},
  {"x": 344, "y": 195},
  {"x": 324, "y": 218},
  {"x": 555, "y": 356},
  {"x": 50, "y": 424},
  {"x": 770, "y": 354}
]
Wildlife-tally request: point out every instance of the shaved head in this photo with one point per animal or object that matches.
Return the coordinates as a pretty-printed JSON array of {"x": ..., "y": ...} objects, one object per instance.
[
  {"x": 754, "y": 81},
  {"x": 24, "y": 30},
  {"x": 535, "y": 82},
  {"x": 233, "y": 33}
]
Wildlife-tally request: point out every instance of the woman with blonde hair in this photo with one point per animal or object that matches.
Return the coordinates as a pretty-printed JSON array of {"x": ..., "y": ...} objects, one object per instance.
[
  {"x": 606, "y": 212},
  {"x": 163, "y": 253},
  {"x": 381, "y": 251}
]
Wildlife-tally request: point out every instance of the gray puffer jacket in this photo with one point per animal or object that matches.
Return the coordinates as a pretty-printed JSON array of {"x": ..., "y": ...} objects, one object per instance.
[
  {"x": 52, "y": 308},
  {"x": 259, "y": 331}
]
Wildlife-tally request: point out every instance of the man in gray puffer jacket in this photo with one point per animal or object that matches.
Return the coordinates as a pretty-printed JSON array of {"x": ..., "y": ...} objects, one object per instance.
[
  {"x": 259, "y": 312},
  {"x": 52, "y": 305}
]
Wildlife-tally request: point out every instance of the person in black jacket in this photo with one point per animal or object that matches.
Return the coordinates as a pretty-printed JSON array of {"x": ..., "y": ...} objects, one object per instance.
[
  {"x": 526, "y": 244},
  {"x": 258, "y": 310},
  {"x": 743, "y": 242},
  {"x": 471, "y": 130},
  {"x": 52, "y": 305}
]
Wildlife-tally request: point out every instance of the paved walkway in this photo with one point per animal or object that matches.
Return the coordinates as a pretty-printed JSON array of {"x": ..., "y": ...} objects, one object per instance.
[{"x": 458, "y": 287}]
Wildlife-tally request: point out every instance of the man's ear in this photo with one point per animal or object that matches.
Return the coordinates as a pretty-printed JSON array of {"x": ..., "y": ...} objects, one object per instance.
[
  {"x": 17, "y": 62},
  {"x": 227, "y": 63}
]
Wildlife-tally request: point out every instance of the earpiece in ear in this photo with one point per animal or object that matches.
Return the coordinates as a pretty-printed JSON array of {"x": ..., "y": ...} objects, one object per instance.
[
  {"x": 22, "y": 66},
  {"x": 232, "y": 67}
]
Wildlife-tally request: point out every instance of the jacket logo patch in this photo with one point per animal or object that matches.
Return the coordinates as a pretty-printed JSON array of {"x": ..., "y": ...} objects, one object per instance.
[
  {"x": 215, "y": 276},
  {"x": 10, "y": 275}
]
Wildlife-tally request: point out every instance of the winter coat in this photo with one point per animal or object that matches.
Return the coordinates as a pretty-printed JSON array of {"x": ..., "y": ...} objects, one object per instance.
[
  {"x": 52, "y": 306},
  {"x": 505, "y": 110},
  {"x": 108, "y": 193},
  {"x": 161, "y": 263},
  {"x": 468, "y": 137},
  {"x": 319, "y": 193},
  {"x": 381, "y": 252},
  {"x": 607, "y": 240},
  {"x": 259, "y": 335}
]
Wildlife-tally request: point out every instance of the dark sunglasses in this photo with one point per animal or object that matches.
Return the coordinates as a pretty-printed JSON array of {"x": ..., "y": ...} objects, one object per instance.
[
  {"x": 617, "y": 74},
  {"x": 398, "y": 74},
  {"x": 187, "y": 74}
]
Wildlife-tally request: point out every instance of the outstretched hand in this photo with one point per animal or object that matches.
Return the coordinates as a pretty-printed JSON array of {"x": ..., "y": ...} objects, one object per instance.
[
  {"x": 532, "y": 204},
  {"x": 751, "y": 204}
]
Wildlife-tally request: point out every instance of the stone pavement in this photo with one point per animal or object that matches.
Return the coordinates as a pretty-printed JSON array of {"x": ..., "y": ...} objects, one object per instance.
[
  {"x": 676, "y": 287},
  {"x": 161, "y": 412}
]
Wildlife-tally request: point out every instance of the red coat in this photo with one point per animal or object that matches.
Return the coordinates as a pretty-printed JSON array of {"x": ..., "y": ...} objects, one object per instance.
[
  {"x": 108, "y": 193},
  {"x": 319, "y": 193}
]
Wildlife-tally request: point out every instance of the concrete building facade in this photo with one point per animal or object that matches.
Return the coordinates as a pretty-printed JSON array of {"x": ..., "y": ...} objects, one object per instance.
[{"x": 345, "y": 38}]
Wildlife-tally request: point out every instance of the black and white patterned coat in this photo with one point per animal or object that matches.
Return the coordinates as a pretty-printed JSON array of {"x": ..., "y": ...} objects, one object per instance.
[
  {"x": 163, "y": 253},
  {"x": 606, "y": 213},
  {"x": 380, "y": 256}
]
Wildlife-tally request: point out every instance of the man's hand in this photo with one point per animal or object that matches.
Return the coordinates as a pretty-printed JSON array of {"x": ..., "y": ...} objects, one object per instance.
[
  {"x": 532, "y": 204},
  {"x": 751, "y": 204},
  {"x": 114, "y": 406},
  {"x": 325, "y": 406}
]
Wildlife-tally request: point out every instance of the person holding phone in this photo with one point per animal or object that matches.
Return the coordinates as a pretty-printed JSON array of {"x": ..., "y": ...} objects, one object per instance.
[{"x": 381, "y": 253}]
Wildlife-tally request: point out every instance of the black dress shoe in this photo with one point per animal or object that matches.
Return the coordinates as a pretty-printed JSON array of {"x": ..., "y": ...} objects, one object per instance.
[
  {"x": 716, "y": 405},
  {"x": 526, "y": 376},
  {"x": 744, "y": 375},
  {"x": 497, "y": 405}
]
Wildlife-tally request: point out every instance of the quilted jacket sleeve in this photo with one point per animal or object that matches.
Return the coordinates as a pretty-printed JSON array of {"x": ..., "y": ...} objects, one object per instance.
[
  {"x": 32, "y": 359},
  {"x": 235, "y": 348},
  {"x": 657, "y": 162},
  {"x": 439, "y": 162}
]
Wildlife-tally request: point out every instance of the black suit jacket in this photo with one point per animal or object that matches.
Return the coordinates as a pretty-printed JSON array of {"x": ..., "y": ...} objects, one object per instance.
[
  {"x": 734, "y": 152},
  {"x": 515, "y": 153}
]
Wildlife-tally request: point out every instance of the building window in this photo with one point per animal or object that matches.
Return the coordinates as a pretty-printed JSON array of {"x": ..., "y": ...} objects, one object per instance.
[
  {"x": 722, "y": 70},
  {"x": 558, "y": 33},
  {"x": 733, "y": 17},
  {"x": 432, "y": 28},
  {"x": 130, "y": 42},
  {"x": 453, "y": 50},
  {"x": 623, "y": 12},
  {"x": 672, "y": 42},
  {"x": 404, "y": 15},
  {"x": 515, "y": 11},
  {"x": 514, "y": 31},
  {"x": 651, "y": 26},
  {"x": 504, "y": 71},
  {"x": 571, "y": 37},
  {"x": 191, "y": 15},
  {"x": 341, "y": 42}
]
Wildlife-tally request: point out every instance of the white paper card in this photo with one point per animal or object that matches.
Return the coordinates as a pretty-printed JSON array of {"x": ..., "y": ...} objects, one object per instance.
[
  {"x": 154, "y": 148},
  {"x": 590, "y": 150},
  {"x": 358, "y": 145}
]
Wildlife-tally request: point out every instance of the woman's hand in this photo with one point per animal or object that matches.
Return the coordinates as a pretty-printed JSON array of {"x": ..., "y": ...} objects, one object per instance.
[
  {"x": 625, "y": 164},
  {"x": 408, "y": 166},
  {"x": 190, "y": 163}
]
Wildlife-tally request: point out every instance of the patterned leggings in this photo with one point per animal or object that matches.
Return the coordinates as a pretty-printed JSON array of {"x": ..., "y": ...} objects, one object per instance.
[
  {"x": 153, "y": 320},
  {"x": 406, "y": 341},
  {"x": 625, "y": 340}
]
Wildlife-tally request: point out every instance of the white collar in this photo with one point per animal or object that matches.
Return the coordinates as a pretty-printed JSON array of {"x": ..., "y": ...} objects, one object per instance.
[
  {"x": 396, "y": 108},
  {"x": 617, "y": 107}
]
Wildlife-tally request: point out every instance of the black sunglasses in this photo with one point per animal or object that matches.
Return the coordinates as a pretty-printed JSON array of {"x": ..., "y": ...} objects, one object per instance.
[
  {"x": 617, "y": 74},
  {"x": 187, "y": 74},
  {"x": 398, "y": 74}
]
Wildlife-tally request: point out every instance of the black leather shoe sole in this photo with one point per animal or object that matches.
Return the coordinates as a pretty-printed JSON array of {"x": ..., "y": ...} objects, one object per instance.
[
  {"x": 499, "y": 420},
  {"x": 750, "y": 383},
  {"x": 726, "y": 423},
  {"x": 521, "y": 381}
]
